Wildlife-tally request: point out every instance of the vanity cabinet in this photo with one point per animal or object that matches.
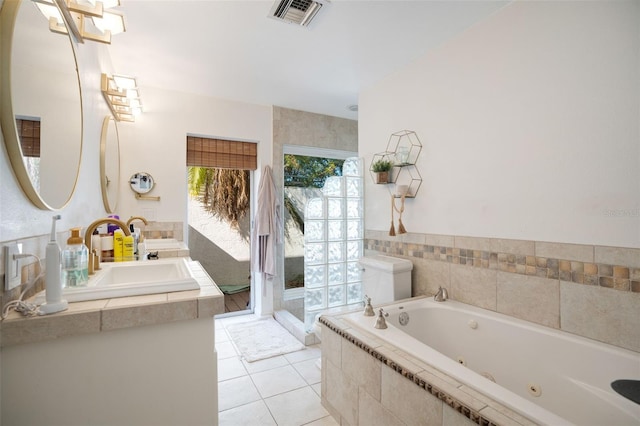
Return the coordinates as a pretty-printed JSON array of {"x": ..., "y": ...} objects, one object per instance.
[{"x": 135, "y": 360}]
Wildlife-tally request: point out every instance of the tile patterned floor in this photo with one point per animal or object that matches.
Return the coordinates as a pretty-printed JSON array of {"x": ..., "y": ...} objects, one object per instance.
[{"x": 282, "y": 391}]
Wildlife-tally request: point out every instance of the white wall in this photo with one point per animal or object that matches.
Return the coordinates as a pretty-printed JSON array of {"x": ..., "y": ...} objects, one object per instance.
[
  {"x": 156, "y": 143},
  {"x": 530, "y": 126}
]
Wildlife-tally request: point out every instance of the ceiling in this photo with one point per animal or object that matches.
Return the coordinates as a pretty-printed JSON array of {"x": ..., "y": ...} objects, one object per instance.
[{"x": 232, "y": 50}]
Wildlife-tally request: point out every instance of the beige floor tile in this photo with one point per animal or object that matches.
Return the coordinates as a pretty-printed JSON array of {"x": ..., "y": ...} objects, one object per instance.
[
  {"x": 221, "y": 335},
  {"x": 303, "y": 355},
  {"x": 230, "y": 368},
  {"x": 278, "y": 380},
  {"x": 296, "y": 407},
  {"x": 317, "y": 388},
  {"x": 253, "y": 414},
  {"x": 236, "y": 392},
  {"x": 308, "y": 370},
  {"x": 325, "y": 421},
  {"x": 226, "y": 350},
  {"x": 265, "y": 364}
]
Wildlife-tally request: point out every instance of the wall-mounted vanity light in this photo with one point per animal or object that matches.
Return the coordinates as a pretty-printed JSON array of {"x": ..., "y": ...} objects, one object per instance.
[
  {"x": 85, "y": 19},
  {"x": 122, "y": 96}
]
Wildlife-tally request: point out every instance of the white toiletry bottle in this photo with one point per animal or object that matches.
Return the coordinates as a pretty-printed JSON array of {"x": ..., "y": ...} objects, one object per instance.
[
  {"x": 53, "y": 287},
  {"x": 75, "y": 261}
]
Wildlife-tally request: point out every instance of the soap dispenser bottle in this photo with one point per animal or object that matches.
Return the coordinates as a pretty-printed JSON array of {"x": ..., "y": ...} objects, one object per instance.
[{"x": 75, "y": 261}]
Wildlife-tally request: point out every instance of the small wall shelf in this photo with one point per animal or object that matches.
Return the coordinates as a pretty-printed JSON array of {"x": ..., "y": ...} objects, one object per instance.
[{"x": 403, "y": 150}]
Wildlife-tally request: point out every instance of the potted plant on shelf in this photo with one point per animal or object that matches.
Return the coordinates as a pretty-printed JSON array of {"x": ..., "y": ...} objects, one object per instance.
[{"x": 381, "y": 169}]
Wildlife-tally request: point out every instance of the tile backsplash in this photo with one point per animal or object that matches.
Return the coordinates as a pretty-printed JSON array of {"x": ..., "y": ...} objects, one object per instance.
[{"x": 592, "y": 291}]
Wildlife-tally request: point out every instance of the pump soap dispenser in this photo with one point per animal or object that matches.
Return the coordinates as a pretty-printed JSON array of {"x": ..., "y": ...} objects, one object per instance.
[{"x": 53, "y": 286}]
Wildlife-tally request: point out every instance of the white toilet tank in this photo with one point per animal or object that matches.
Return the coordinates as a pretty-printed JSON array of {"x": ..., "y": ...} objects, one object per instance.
[{"x": 386, "y": 278}]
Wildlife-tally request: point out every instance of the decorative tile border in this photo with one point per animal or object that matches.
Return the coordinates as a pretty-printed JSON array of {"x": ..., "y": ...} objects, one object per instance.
[
  {"x": 619, "y": 277},
  {"x": 450, "y": 400}
]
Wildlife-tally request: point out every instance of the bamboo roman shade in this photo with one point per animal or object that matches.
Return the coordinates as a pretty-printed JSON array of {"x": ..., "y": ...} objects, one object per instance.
[
  {"x": 222, "y": 154},
  {"x": 29, "y": 135}
]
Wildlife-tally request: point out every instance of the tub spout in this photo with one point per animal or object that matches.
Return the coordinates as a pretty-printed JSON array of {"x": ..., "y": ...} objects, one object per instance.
[
  {"x": 441, "y": 295},
  {"x": 381, "y": 323}
]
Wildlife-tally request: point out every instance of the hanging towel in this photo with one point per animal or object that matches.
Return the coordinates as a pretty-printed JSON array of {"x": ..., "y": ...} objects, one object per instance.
[{"x": 267, "y": 227}]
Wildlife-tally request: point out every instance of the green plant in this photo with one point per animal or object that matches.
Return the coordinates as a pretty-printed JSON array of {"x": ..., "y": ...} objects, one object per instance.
[{"x": 381, "y": 165}]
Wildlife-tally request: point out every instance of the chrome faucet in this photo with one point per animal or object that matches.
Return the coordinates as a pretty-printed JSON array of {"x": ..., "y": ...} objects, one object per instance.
[
  {"x": 441, "y": 295},
  {"x": 89, "y": 232}
]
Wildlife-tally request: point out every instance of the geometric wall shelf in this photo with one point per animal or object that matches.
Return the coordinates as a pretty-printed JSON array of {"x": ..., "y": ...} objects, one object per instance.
[{"x": 403, "y": 150}]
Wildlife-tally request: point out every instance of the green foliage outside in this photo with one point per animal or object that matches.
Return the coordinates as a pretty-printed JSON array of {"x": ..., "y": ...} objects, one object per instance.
[
  {"x": 309, "y": 172},
  {"x": 224, "y": 193}
]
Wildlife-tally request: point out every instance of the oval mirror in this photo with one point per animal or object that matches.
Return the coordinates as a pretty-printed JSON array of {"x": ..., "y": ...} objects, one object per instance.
[
  {"x": 41, "y": 105},
  {"x": 141, "y": 182},
  {"x": 110, "y": 164}
]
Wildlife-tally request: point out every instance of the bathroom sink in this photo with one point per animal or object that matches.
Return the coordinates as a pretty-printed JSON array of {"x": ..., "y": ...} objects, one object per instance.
[
  {"x": 153, "y": 244},
  {"x": 120, "y": 279}
]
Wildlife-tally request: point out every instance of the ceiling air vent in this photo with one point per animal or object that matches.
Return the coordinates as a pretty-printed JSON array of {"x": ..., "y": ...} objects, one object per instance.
[{"x": 300, "y": 12}]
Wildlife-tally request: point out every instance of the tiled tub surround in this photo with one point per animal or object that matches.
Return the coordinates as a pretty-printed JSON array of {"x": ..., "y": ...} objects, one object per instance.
[
  {"x": 591, "y": 291},
  {"x": 546, "y": 375},
  {"x": 115, "y": 358},
  {"x": 368, "y": 382}
]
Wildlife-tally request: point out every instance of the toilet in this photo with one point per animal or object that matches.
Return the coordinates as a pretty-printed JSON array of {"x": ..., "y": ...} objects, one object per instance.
[{"x": 384, "y": 279}]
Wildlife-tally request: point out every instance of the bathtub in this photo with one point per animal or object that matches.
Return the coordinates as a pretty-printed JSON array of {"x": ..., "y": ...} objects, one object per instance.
[{"x": 548, "y": 376}]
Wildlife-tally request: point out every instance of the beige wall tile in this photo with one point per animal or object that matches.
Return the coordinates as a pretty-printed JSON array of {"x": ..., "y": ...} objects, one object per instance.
[
  {"x": 607, "y": 315},
  {"x": 411, "y": 238},
  {"x": 475, "y": 286},
  {"x": 362, "y": 368},
  {"x": 618, "y": 256},
  {"x": 114, "y": 318},
  {"x": 428, "y": 275},
  {"x": 451, "y": 417},
  {"x": 331, "y": 346},
  {"x": 529, "y": 298},
  {"x": 43, "y": 328},
  {"x": 498, "y": 245},
  {"x": 497, "y": 417},
  {"x": 521, "y": 247},
  {"x": 473, "y": 243},
  {"x": 373, "y": 234},
  {"x": 210, "y": 306},
  {"x": 439, "y": 240},
  {"x": 373, "y": 413},
  {"x": 406, "y": 400},
  {"x": 344, "y": 393},
  {"x": 578, "y": 252}
]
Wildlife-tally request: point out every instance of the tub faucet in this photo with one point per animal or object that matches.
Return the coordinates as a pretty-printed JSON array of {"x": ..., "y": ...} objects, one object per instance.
[
  {"x": 381, "y": 323},
  {"x": 92, "y": 227},
  {"x": 368, "y": 309},
  {"x": 441, "y": 295}
]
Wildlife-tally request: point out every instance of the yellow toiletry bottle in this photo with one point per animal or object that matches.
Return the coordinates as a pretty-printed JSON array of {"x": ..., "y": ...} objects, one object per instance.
[
  {"x": 128, "y": 248},
  {"x": 118, "y": 246}
]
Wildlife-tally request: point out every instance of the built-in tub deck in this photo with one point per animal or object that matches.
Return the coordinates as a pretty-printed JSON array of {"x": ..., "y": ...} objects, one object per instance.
[{"x": 442, "y": 374}]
